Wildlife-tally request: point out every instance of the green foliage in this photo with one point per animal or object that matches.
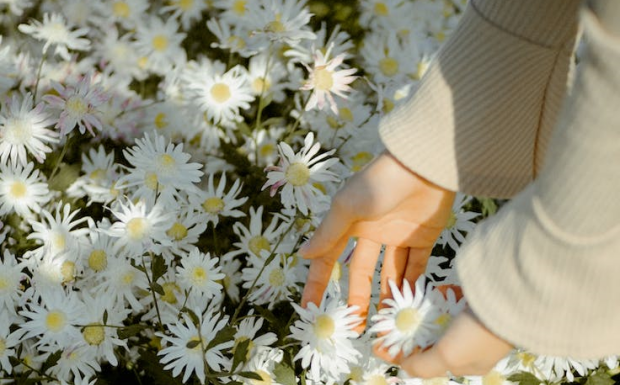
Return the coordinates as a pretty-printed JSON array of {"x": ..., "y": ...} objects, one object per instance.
[{"x": 524, "y": 378}]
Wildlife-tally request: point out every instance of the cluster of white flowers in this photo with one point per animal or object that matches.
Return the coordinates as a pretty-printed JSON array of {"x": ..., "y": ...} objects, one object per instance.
[{"x": 160, "y": 164}]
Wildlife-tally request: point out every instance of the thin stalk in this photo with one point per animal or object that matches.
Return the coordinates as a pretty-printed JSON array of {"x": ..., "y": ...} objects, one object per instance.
[
  {"x": 148, "y": 278},
  {"x": 36, "y": 85}
]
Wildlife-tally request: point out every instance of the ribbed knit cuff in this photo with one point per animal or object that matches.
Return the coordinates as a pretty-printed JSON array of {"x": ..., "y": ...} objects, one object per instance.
[{"x": 480, "y": 118}]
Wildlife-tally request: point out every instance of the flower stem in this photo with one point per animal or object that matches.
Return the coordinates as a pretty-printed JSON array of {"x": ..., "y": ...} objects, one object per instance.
[
  {"x": 148, "y": 278},
  {"x": 36, "y": 84}
]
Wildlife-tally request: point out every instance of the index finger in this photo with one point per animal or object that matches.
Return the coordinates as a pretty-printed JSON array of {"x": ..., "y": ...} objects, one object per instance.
[{"x": 320, "y": 274}]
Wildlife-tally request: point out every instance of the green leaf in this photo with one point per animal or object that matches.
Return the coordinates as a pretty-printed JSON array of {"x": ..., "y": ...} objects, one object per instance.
[
  {"x": 241, "y": 353},
  {"x": 129, "y": 331},
  {"x": 224, "y": 335},
  {"x": 489, "y": 207},
  {"x": 268, "y": 315},
  {"x": 192, "y": 344},
  {"x": 524, "y": 378},
  {"x": 192, "y": 315},
  {"x": 158, "y": 267},
  {"x": 51, "y": 360},
  {"x": 157, "y": 288},
  {"x": 285, "y": 375},
  {"x": 251, "y": 375},
  {"x": 600, "y": 378}
]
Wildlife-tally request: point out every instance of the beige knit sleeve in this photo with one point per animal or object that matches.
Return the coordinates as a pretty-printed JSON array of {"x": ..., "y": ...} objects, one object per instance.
[
  {"x": 480, "y": 120},
  {"x": 544, "y": 272}
]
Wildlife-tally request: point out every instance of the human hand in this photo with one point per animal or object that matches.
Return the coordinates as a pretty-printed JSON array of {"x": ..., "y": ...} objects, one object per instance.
[
  {"x": 467, "y": 348},
  {"x": 384, "y": 204}
]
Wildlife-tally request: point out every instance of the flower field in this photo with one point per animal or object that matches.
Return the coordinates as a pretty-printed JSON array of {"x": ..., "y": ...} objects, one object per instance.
[{"x": 161, "y": 162}]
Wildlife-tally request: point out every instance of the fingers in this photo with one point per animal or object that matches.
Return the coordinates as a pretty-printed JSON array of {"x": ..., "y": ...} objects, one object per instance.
[
  {"x": 393, "y": 269},
  {"x": 361, "y": 272},
  {"x": 331, "y": 231},
  {"x": 467, "y": 348},
  {"x": 320, "y": 274},
  {"x": 416, "y": 264}
]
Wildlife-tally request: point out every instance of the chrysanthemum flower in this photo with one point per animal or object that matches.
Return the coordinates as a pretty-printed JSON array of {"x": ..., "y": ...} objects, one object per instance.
[
  {"x": 215, "y": 203},
  {"x": 187, "y": 11},
  {"x": 78, "y": 105},
  {"x": 254, "y": 240},
  {"x": 278, "y": 20},
  {"x": 263, "y": 364},
  {"x": 298, "y": 173},
  {"x": 407, "y": 321},
  {"x": 186, "y": 348},
  {"x": 8, "y": 341},
  {"x": 160, "y": 43},
  {"x": 460, "y": 223},
  {"x": 23, "y": 128},
  {"x": 126, "y": 12},
  {"x": 326, "y": 334},
  {"x": 22, "y": 190},
  {"x": 55, "y": 31},
  {"x": 325, "y": 80},
  {"x": 276, "y": 281},
  {"x": 200, "y": 273},
  {"x": 122, "y": 281}
]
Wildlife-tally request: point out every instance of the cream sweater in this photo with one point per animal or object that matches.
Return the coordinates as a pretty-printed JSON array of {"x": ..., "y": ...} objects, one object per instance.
[{"x": 491, "y": 117}]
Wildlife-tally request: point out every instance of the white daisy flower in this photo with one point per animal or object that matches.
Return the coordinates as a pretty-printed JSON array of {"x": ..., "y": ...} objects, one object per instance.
[
  {"x": 160, "y": 169},
  {"x": 278, "y": 20},
  {"x": 460, "y": 222},
  {"x": 126, "y": 12},
  {"x": 160, "y": 43},
  {"x": 388, "y": 60},
  {"x": 184, "y": 232},
  {"x": 326, "y": 335},
  {"x": 231, "y": 268},
  {"x": 266, "y": 74},
  {"x": 187, "y": 11},
  {"x": 247, "y": 330},
  {"x": 54, "y": 320},
  {"x": 445, "y": 299},
  {"x": 275, "y": 282},
  {"x": 8, "y": 341},
  {"x": 139, "y": 227},
  {"x": 76, "y": 363},
  {"x": 58, "y": 233},
  {"x": 121, "y": 281},
  {"x": 496, "y": 376},
  {"x": 556, "y": 369},
  {"x": 24, "y": 129},
  {"x": 78, "y": 105},
  {"x": 22, "y": 190},
  {"x": 262, "y": 146},
  {"x": 215, "y": 203},
  {"x": 118, "y": 55},
  {"x": 325, "y": 80},
  {"x": 100, "y": 178},
  {"x": 200, "y": 273},
  {"x": 17, "y": 7},
  {"x": 407, "y": 320},
  {"x": 263, "y": 363},
  {"x": 186, "y": 348},
  {"x": 11, "y": 277},
  {"x": 298, "y": 173},
  {"x": 232, "y": 11},
  {"x": 55, "y": 31},
  {"x": 254, "y": 240},
  {"x": 222, "y": 96},
  {"x": 230, "y": 37}
]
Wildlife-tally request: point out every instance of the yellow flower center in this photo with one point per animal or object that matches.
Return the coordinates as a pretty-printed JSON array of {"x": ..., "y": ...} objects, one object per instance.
[
  {"x": 76, "y": 107},
  {"x": 388, "y": 66},
  {"x": 436, "y": 381},
  {"x": 265, "y": 378},
  {"x": 357, "y": 374},
  {"x": 93, "y": 334},
  {"x": 345, "y": 114},
  {"x": 407, "y": 320},
  {"x": 323, "y": 79},
  {"x": 121, "y": 9},
  {"x": 376, "y": 379},
  {"x": 277, "y": 278},
  {"x": 17, "y": 131},
  {"x": 166, "y": 163},
  {"x": 381, "y": 9},
  {"x": 59, "y": 241},
  {"x": 177, "y": 231},
  {"x": 170, "y": 290},
  {"x": 267, "y": 150},
  {"x": 4, "y": 283},
  {"x": 276, "y": 25},
  {"x": 151, "y": 181},
  {"x": 238, "y": 7},
  {"x": 493, "y": 378},
  {"x": 160, "y": 120},
  {"x": 18, "y": 189},
  {"x": 55, "y": 321},
  {"x": 198, "y": 275},
  {"x": 324, "y": 326},
  {"x": 388, "y": 106},
  {"x": 260, "y": 85},
  {"x": 258, "y": 244},
  {"x": 2, "y": 346},
  {"x": 297, "y": 174},
  {"x": 97, "y": 175},
  {"x": 333, "y": 122},
  {"x": 451, "y": 221},
  {"x": 128, "y": 278},
  {"x": 137, "y": 228},
  {"x": 527, "y": 359},
  {"x": 220, "y": 92},
  {"x": 160, "y": 43},
  {"x": 440, "y": 36},
  {"x": 98, "y": 260},
  {"x": 67, "y": 270},
  {"x": 236, "y": 42},
  {"x": 336, "y": 272},
  {"x": 360, "y": 160},
  {"x": 185, "y": 5},
  {"x": 213, "y": 205}
]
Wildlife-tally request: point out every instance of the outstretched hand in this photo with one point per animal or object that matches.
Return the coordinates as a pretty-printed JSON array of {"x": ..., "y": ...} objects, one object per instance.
[{"x": 384, "y": 204}]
